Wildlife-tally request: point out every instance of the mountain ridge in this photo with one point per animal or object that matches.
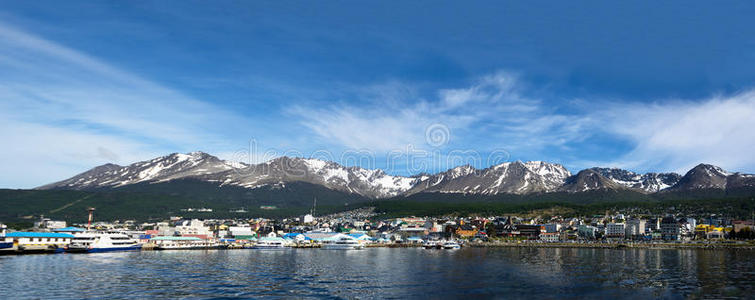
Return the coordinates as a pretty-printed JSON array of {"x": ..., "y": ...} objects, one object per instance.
[{"x": 519, "y": 178}]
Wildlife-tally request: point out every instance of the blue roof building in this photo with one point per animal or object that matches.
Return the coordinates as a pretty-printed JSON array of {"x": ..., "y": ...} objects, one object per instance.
[{"x": 23, "y": 234}]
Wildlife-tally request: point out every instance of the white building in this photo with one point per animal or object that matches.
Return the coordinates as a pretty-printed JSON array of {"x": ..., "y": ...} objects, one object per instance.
[
  {"x": 635, "y": 228},
  {"x": 308, "y": 218},
  {"x": 193, "y": 227},
  {"x": 242, "y": 231},
  {"x": 51, "y": 224},
  {"x": 587, "y": 231},
  {"x": 615, "y": 230},
  {"x": 550, "y": 237}
]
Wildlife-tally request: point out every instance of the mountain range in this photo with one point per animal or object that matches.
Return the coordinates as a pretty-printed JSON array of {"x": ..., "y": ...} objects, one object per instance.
[{"x": 515, "y": 178}]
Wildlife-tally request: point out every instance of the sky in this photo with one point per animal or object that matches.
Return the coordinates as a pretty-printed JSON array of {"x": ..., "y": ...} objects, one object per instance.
[{"x": 405, "y": 86}]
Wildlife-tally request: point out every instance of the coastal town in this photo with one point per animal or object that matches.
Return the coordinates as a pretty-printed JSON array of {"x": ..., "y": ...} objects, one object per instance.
[{"x": 363, "y": 228}]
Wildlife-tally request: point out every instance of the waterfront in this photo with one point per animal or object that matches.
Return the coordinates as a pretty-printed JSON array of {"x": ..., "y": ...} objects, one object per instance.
[{"x": 384, "y": 273}]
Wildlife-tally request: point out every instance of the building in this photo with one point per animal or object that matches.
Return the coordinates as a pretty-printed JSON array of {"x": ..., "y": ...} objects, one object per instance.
[
  {"x": 635, "y": 228},
  {"x": 552, "y": 227},
  {"x": 195, "y": 228},
  {"x": 615, "y": 230},
  {"x": 241, "y": 232},
  {"x": 308, "y": 219},
  {"x": 550, "y": 237},
  {"x": 51, "y": 224},
  {"x": 740, "y": 225},
  {"x": 670, "y": 229},
  {"x": 38, "y": 241},
  {"x": 587, "y": 231}
]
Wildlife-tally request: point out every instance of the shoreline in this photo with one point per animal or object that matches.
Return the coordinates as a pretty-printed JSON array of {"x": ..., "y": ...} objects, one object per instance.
[{"x": 710, "y": 246}]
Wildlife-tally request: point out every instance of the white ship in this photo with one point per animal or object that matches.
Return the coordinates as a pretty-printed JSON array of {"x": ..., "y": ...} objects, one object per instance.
[
  {"x": 342, "y": 242},
  {"x": 270, "y": 243},
  {"x": 182, "y": 243},
  {"x": 451, "y": 245},
  {"x": 441, "y": 244},
  {"x": 102, "y": 241}
]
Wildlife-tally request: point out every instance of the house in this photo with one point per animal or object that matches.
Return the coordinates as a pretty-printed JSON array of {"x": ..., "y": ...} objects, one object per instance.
[{"x": 506, "y": 227}]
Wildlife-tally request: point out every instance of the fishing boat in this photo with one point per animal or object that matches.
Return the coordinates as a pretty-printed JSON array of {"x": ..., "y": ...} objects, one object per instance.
[
  {"x": 270, "y": 243},
  {"x": 102, "y": 241},
  {"x": 341, "y": 242}
]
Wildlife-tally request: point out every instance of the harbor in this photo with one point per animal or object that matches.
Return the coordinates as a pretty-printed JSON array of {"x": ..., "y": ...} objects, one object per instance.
[{"x": 361, "y": 229}]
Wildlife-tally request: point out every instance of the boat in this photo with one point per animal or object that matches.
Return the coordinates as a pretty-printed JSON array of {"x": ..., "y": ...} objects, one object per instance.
[
  {"x": 182, "y": 243},
  {"x": 270, "y": 243},
  {"x": 441, "y": 244},
  {"x": 450, "y": 245},
  {"x": 342, "y": 243},
  {"x": 4, "y": 245},
  {"x": 102, "y": 241},
  {"x": 431, "y": 244}
]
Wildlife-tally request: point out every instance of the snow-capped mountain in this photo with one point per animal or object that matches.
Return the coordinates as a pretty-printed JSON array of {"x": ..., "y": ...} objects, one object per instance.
[
  {"x": 704, "y": 176},
  {"x": 589, "y": 180},
  {"x": 160, "y": 169},
  {"x": 509, "y": 177},
  {"x": 648, "y": 182},
  {"x": 506, "y": 178},
  {"x": 368, "y": 183},
  {"x": 205, "y": 167}
]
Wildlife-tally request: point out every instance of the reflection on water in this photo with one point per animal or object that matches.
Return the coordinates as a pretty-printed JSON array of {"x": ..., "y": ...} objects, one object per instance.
[{"x": 385, "y": 273}]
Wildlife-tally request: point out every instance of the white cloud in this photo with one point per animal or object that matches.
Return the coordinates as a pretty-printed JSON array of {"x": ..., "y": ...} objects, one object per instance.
[
  {"x": 63, "y": 111},
  {"x": 493, "y": 114},
  {"x": 489, "y": 114},
  {"x": 677, "y": 135}
]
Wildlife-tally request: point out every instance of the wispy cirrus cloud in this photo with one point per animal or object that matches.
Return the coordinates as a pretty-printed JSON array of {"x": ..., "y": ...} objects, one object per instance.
[
  {"x": 490, "y": 114},
  {"x": 676, "y": 135},
  {"x": 65, "y": 111},
  {"x": 493, "y": 113}
]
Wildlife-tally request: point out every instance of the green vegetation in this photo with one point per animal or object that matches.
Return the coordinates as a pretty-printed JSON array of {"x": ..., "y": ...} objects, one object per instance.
[
  {"x": 143, "y": 202},
  {"x": 159, "y": 201},
  {"x": 730, "y": 207}
]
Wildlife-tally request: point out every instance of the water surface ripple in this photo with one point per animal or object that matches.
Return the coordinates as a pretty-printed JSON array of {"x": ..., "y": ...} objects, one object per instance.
[{"x": 385, "y": 273}]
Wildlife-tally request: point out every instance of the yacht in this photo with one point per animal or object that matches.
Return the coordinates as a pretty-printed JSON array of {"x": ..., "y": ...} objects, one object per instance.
[
  {"x": 441, "y": 244},
  {"x": 450, "y": 245},
  {"x": 342, "y": 243},
  {"x": 102, "y": 241},
  {"x": 270, "y": 243}
]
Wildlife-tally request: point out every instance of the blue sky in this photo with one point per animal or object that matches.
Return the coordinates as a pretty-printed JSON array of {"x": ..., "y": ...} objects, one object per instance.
[{"x": 645, "y": 86}]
